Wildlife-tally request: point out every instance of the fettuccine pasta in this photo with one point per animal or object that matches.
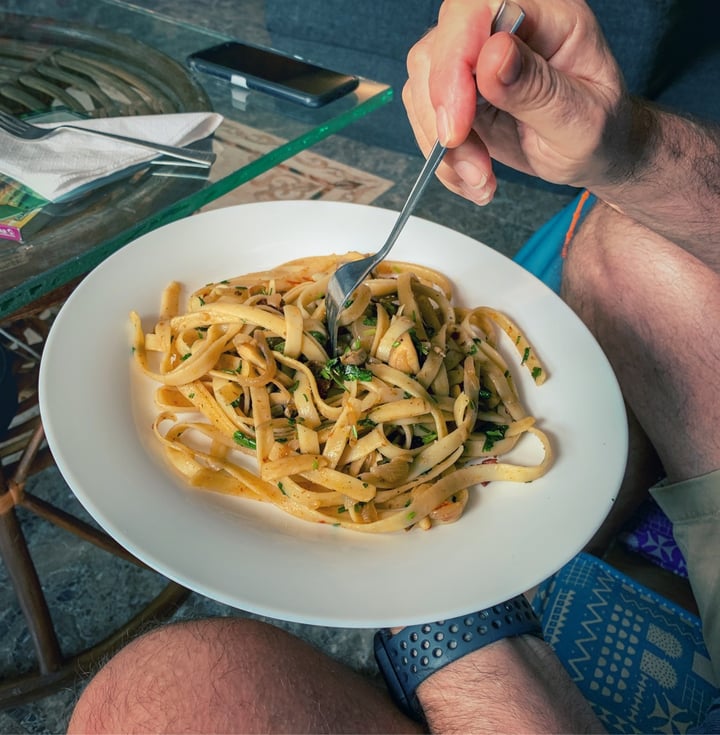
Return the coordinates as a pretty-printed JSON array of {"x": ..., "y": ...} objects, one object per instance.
[{"x": 418, "y": 407}]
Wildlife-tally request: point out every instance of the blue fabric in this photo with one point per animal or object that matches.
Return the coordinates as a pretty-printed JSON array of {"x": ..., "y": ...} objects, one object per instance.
[
  {"x": 638, "y": 658},
  {"x": 638, "y": 32},
  {"x": 650, "y": 534},
  {"x": 697, "y": 90},
  {"x": 542, "y": 253},
  {"x": 691, "y": 83},
  {"x": 387, "y": 29},
  {"x": 656, "y": 42},
  {"x": 711, "y": 724}
]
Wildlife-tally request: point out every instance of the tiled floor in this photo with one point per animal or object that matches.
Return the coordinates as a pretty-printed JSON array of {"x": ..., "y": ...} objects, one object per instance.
[{"x": 91, "y": 592}]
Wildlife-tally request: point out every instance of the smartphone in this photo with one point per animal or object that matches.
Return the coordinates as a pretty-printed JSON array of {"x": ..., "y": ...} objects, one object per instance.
[{"x": 267, "y": 70}]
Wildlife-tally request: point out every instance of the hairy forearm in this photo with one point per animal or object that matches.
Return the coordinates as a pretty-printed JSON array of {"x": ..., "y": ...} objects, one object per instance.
[
  {"x": 512, "y": 685},
  {"x": 666, "y": 176}
]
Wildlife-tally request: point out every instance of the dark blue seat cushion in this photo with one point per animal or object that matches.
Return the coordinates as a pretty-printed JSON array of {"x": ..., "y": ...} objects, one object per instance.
[{"x": 661, "y": 46}]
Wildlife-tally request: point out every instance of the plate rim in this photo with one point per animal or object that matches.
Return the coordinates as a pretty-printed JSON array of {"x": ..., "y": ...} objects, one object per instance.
[{"x": 162, "y": 565}]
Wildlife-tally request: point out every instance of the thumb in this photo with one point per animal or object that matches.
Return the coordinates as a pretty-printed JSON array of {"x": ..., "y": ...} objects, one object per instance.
[{"x": 516, "y": 80}]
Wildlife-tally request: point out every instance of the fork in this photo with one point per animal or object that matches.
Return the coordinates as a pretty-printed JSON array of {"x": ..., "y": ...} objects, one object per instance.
[
  {"x": 349, "y": 276},
  {"x": 27, "y": 131}
]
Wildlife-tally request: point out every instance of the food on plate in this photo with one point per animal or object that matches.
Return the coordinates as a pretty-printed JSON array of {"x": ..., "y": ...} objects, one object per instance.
[{"x": 418, "y": 406}]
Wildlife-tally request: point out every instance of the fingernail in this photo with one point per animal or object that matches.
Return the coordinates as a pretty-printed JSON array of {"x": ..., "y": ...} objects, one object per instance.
[
  {"x": 443, "y": 128},
  {"x": 481, "y": 198},
  {"x": 470, "y": 174},
  {"x": 511, "y": 66}
]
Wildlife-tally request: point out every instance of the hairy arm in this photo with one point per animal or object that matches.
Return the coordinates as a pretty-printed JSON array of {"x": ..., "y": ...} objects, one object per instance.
[
  {"x": 671, "y": 184},
  {"x": 512, "y": 685}
]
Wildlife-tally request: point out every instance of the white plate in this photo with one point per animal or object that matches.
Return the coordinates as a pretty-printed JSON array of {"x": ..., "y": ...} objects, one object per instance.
[{"x": 97, "y": 409}]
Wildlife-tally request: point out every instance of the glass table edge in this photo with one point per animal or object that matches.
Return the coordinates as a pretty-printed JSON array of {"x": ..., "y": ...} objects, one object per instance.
[{"x": 34, "y": 288}]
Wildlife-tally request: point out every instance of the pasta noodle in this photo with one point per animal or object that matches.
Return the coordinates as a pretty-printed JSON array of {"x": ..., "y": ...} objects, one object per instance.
[{"x": 418, "y": 406}]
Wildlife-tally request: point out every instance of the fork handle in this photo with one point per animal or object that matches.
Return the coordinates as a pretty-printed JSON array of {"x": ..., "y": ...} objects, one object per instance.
[
  {"x": 428, "y": 169},
  {"x": 198, "y": 157},
  {"x": 508, "y": 18}
]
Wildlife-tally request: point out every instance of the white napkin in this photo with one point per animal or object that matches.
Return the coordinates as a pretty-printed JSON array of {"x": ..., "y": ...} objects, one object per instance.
[{"x": 67, "y": 161}]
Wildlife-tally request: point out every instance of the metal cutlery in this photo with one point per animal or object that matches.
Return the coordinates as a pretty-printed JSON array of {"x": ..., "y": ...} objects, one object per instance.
[{"x": 23, "y": 129}]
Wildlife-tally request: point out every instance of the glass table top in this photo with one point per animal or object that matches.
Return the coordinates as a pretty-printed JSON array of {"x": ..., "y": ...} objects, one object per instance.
[{"x": 146, "y": 51}]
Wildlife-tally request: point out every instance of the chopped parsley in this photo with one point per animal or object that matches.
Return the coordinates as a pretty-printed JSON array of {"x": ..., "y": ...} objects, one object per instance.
[
  {"x": 429, "y": 437},
  {"x": 244, "y": 440},
  {"x": 493, "y": 433},
  {"x": 337, "y": 372}
]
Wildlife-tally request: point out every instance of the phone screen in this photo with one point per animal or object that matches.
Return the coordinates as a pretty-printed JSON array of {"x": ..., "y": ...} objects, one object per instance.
[{"x": 269, "y": 71}]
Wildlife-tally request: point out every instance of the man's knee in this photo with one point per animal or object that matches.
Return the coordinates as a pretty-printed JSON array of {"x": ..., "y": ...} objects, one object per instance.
[
  {"x": 652, "y": 306},
  {"x": 149, "y": 684},
  {"x": 600, "y": 258}
]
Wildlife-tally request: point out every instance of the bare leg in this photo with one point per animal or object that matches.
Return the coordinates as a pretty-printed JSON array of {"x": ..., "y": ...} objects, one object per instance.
[
  {"x": 654, "y": 309},
  {"x": 231, "y": 675}
]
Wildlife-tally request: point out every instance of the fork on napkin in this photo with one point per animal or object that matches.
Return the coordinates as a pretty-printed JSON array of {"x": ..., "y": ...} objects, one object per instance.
[{"x": 70, "y": 162}]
